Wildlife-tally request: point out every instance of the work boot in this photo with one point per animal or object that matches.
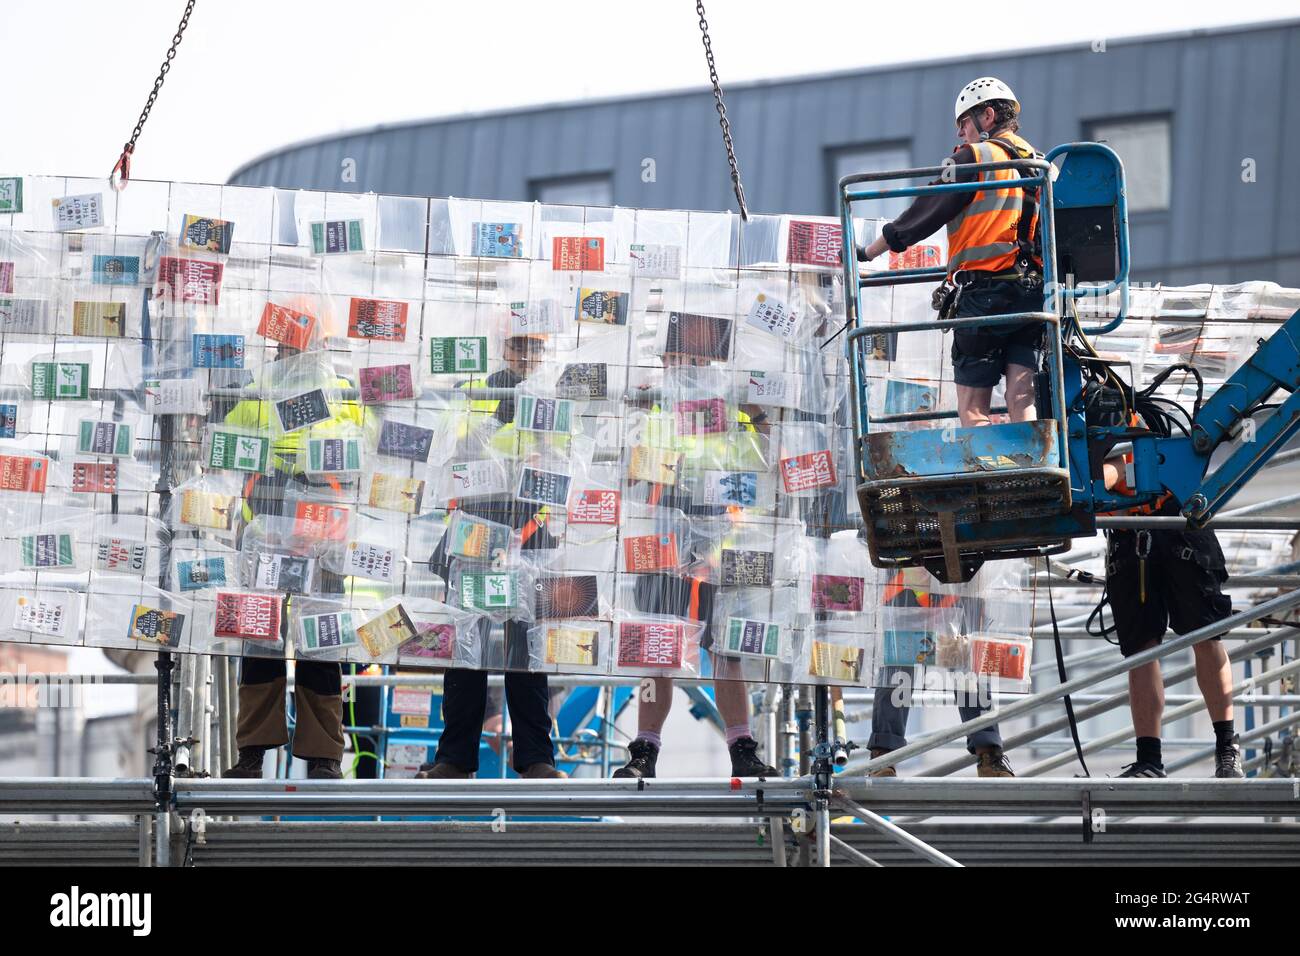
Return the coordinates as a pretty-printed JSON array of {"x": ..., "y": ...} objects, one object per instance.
[
  {"x": 642, "y": 755},
  {"x": 248, "y": 766},
  {"x": 1143, "y": 768},
  {"x": 543, "y": 771},
  {"x": 1227, "y": 760},
  {"x": 322, "y": 768},
  {"x": 442, "y": 770},
  {"x": 745, "y": 762},
  {"x": 994, "y": 763},
  {"x": 882, "y": 771}
]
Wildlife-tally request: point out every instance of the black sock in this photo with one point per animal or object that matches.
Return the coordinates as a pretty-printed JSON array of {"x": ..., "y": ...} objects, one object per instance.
[
  {"x": 1149, "y": 750},
  {"x": 1223, "y": 734}
]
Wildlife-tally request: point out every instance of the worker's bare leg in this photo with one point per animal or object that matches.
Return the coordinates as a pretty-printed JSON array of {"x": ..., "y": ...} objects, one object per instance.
[
  {"x": 655, "y": 700},
  {"x": 730, "y": 693},
  {"x": 1214, "y": 677},
  {"x": 973, "y": 404},
  {"x": 1146, "y": 697},
  {"x": 1020, "y": 393}
]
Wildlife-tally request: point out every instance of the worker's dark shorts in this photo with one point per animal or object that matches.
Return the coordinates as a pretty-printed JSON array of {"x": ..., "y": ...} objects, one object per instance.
[
  {"x": 980, "y": 356},
  {"x": 1185, "y": 573}
]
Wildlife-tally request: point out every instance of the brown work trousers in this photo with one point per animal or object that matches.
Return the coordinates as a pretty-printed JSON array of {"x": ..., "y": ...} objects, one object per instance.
[{"x": 263, "y": 717}]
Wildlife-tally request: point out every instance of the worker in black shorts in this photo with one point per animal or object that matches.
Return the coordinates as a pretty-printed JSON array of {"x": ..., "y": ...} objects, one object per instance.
[{"x": 1158, "y": 579}]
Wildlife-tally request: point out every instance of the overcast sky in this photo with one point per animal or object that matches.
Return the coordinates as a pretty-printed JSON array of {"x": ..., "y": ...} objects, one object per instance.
[{"x": 252, "y": 76}]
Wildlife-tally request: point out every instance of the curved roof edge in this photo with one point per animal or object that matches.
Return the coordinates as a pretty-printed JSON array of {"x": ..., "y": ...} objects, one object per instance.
[{"x": 754, "y": 84}]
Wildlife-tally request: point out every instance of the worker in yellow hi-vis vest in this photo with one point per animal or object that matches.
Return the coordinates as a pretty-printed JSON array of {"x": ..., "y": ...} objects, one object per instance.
[
  {"x": 263, "y": 721},
  {"x": 692, "y": 597},
  {"x": 465, "y": 691}
]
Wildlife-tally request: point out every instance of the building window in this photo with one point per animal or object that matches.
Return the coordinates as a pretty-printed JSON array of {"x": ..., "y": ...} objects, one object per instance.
[
  {"x": 847, "y": 160},
  {"x": 595, "y": 190},
  {"x": 1143, "y": 145}
]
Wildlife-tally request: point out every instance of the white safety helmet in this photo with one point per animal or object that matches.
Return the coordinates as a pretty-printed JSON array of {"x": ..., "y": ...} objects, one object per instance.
[{"x": 983, "y": 90}]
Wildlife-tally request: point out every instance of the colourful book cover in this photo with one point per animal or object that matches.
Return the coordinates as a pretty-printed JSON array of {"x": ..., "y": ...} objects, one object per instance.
[
  {"x": 836, "y": 661},
  {"x": 814, "y": 243},
  {"x": 11, "y": 194},
  {"x": 287, "y": 326},
  {"x": 85, "y": 211},
  {"x": 8, "y": 420},
  {"x": 216, "y": 351},
  {"x": 200, "y": 573},
  {"x": 314, "y": 520},
  {"x": 432, "y": 641},
  {"x": 382, "y": 320},
  {"x": 747, "y": 638},
  {"x": 701, "y": 416},
  {"x": 99, "y": 318},
  {"x": 651, "y": 644},
  {"x": 287, "y": 573},
  {"x": 901, "y": 648},
  {"x": 91, "y": 477},
  {"x": 915, "y": 257},
  {"x": 319, "y": 632},
  {"x": 105, "y": 438},
  {"x": 458, "y": 354},
  {"x": 698, "y": 336},
  {"x": 334, "y": 455},
  {"x": 395, "y": 493},
  {"x": 337, "y": 236},
  {"x": 205, "y": 509},
  {"x": 583, "y": 380},
  {"x": 738, "y": 488},
  {"x": 189, "y": 280},
  {"x": 577, "y": 254},
  {"x": 572, "y": 645},
  {"x": 595, "y": 506},
  {"x": 657, "y": 465},
  {"x": 741, "y": 568},
  {"x": 562, "y": 596},
  {"x": 471, "y": 538},
  {"x": 498, "y": 240},
  {"x": 22, "y": 473},
  {"x": 46, "y": 551},
  {"x": 600, "y": 306},
  {"x": 488, "y": 590},
  {"x": 202, "y": 232},
  {"x": 543, "y": 487},
  {"x": 121, "y": 555},
  {"x": 650, "y": 552},
  {"x": 837, "y": 592},
  {"x": 390, "y": 629},
  {"x": 115, "y": 270},
  {"x": 372, "y": 561},
  {"x": 6, "y": 278},
  {"x": 804, "y": 472},
  {"x": 403, "y": 440},
  {"x": 156, "y": 626},
  {"x": 249, "y": 617},
  {"x": 303, "y": 411},
  {"x": 69, "y": 381},
  {"x": 1000, "y": 657},
  {"x": 544, "y": 414},
  {"x": 386, "y": 383},
  {"x": 770, "y": 314},
  {"x": 42, "y": 616},
  {"x": 239, "y": 452}
]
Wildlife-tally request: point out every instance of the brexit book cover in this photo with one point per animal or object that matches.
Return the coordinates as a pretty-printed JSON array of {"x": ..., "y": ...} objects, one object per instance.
[
  {"x": 61, "y": 381},
  {"x": 458, "y": 354}
]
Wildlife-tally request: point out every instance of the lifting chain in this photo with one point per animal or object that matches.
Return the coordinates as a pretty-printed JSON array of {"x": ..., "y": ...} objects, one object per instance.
[
  {"x": 722, "y": 113},
  {"x": 124, "y": 161}
]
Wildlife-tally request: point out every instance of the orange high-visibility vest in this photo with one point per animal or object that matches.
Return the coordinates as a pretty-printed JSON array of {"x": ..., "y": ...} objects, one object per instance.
[{"x": 983, "y": 236}]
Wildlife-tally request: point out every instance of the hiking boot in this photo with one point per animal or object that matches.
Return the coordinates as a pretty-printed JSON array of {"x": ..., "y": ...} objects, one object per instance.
[
  {"x": 994, "y": 763},
  {"x": 322, "y": 768},
  {"x": 745, "y": 762},
  {"x": 543, "y": 771},
  {"x": 642, "y": 755},
  {"x": 248, "y": 766},
  {"x": 1143, "y": 768},
  {"x": 441, "y": 771},
  {"x": 1227, "y": 760},
  {"x": 882, "y": 771}
]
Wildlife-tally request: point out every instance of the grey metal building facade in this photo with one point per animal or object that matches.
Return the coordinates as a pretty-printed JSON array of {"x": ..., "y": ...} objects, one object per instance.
[{"x": 1204, "y": 120}]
